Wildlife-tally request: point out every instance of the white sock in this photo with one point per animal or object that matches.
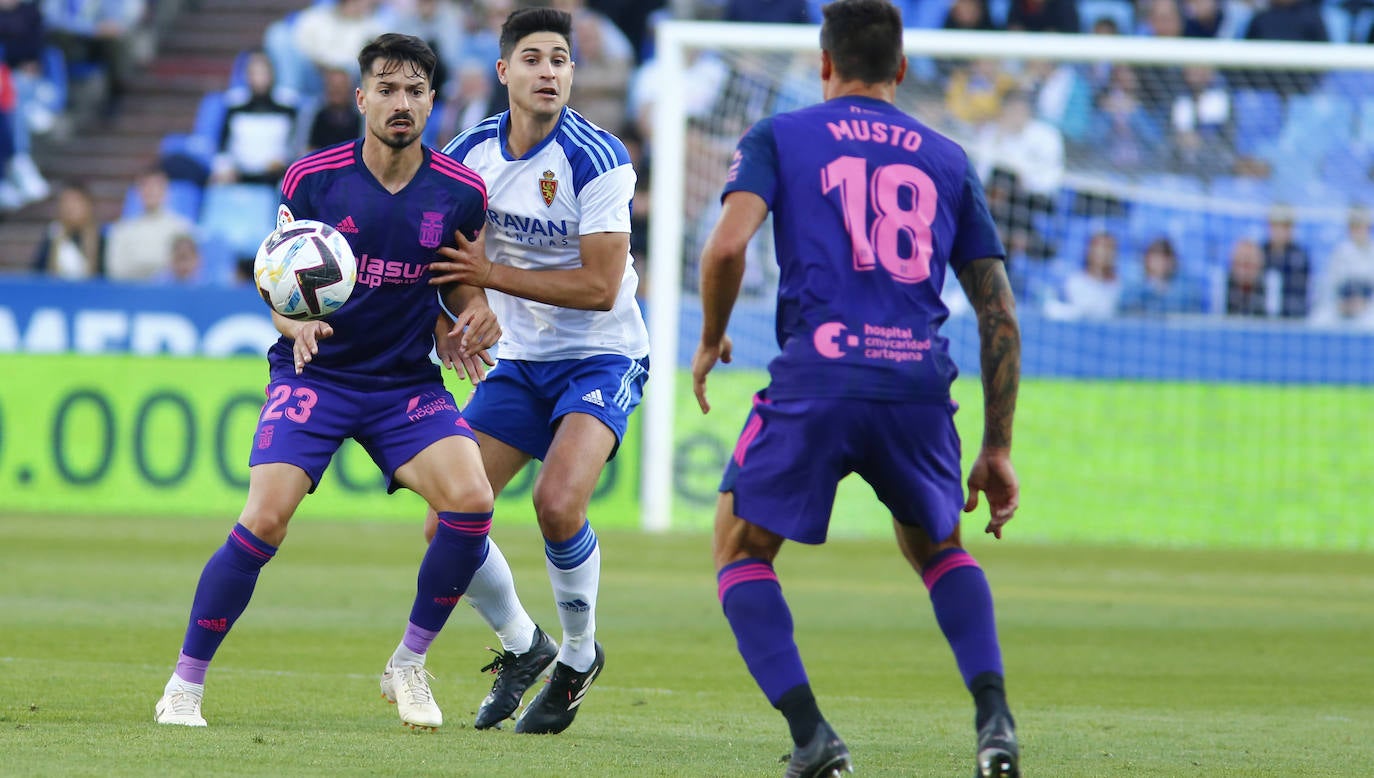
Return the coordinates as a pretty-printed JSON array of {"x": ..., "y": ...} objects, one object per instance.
[
  {"x": 404, "y": 656},
  {"x": 492, "y": 595},
  {"x": 574, "y": 592},
  {"x": 176, "y": 684}
]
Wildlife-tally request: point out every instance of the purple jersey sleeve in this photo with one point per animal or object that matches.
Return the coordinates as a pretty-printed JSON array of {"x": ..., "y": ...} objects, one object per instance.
[
  {"x": 298, "y": 184},
  {"x": 754, "y": 167},
  {"x": 470, "y": 215},
  {"x": 976, "y": 236}
]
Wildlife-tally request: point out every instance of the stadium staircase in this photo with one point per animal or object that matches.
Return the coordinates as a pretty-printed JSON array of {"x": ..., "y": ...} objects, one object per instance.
[{"x": 195, "y": 54}]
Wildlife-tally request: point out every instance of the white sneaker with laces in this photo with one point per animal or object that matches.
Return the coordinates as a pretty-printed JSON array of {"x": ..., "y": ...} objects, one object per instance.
[
  {"x": 181, "y": 705},
  {"x": 407, "y": 686}
]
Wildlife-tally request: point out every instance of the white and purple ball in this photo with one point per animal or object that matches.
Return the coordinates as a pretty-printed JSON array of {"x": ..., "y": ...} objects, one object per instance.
[{"x": 305, "y": 270}]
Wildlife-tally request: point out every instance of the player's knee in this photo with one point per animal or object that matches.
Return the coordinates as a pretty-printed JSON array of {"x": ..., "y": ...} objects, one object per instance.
[
  {"x": 557, "y": 509},
  {"x": 465, "y": 492},
  {"x": 919, "y": 549},
  {"x": 266, "y": 522},
  {"x": 467, "y": 497},
  {"x": 736, "y": 539}
]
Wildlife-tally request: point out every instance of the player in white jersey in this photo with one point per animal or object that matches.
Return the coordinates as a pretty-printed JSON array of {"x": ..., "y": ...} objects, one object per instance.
[{"x": 554, "y": 257}]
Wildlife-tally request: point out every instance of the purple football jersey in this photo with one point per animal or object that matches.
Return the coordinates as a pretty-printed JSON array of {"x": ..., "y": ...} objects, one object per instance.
[
  {"x": 870, "y": 208},
  {"x": 384, "y": 333}
]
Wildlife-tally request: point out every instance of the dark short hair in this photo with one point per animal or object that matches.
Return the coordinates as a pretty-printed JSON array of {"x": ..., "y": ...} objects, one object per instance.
[
  {"x": 864, "y": 39},
  {"x": 527, "y": 21},
  {"x": 1162, "y": 244},
  {"x": 1356, "y": 288},
  {"x": 398, "y": 50},
  {"x": 76, "y": 185}
]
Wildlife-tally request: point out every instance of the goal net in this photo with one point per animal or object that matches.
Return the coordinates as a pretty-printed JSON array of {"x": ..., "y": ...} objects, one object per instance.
[{"x": 1189, "y": 243}]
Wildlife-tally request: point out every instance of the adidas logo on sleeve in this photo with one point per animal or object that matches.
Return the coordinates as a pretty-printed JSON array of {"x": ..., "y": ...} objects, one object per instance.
[{"x": 594, "y": 397}]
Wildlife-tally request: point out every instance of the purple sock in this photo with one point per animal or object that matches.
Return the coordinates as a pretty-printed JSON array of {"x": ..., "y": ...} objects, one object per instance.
[
  {"x": 758, "y": 614},
  {"x": 458, "y": 549},
  {"x": 963, "y": 607},
  {"x": 226, "y": 586}
]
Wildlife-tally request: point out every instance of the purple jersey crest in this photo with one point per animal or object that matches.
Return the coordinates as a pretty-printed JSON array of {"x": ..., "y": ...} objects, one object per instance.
[{"x": 431, "y": 229}]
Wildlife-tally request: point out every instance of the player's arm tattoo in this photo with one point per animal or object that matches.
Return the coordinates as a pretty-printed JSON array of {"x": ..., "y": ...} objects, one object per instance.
[{"x": 999, "y": 339}]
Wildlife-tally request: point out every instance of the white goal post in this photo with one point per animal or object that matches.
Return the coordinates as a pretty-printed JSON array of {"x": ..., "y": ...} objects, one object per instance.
[{"x": 669, "y": 147}]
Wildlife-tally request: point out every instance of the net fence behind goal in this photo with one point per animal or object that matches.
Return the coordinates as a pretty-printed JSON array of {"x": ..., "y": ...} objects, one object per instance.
[{"x": 1188, "y": 233}]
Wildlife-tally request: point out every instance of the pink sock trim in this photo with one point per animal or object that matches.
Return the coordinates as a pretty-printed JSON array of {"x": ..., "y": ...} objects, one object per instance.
[
  {"x": 952, "y": 561},
  {"x": 731, "y": 576}
]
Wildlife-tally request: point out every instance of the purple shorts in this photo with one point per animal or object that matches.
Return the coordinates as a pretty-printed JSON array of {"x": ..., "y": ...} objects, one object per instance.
[
  {"x": 793, "y": 453},
  {"x": 305, "y": 421}
]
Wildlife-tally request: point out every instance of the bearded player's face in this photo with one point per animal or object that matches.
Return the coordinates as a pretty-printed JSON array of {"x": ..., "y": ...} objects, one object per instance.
[{"x": 396, "y": 101}]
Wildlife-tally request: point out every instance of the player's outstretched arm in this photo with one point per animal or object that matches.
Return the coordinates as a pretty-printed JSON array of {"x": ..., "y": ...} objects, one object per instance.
[
  {"x": 722, "y": 270},
  {"x": 305, "y": 337},
  {"x": 591, "y": 287},
  {"x": 999, "y": 339}
]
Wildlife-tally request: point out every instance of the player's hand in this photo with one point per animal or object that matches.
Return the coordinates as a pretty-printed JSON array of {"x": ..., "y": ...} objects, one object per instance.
[
  {"x": 993, "y": 475},
  {"x": 446, "y": 346},
  {"x": 307, "y": 342},
  {"x": 476, "y": 327},
  {"x": 470, "y": 364},
  {"x": 465, "y": 264},
  {"x": 472, "y": 367},
  {"x": 702, "y": 362},
  {"x": 475, "y": 331}
]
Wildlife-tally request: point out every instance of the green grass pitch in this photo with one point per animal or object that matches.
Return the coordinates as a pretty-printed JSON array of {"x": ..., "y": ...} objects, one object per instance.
[{"x": 1139, "y": 662}]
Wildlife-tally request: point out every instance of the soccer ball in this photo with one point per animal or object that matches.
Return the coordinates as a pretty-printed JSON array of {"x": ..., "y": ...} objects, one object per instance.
[{"x": 305, "y": 270}]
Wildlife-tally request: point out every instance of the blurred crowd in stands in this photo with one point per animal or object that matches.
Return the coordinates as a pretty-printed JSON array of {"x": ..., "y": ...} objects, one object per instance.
[{"x": 1119, "y": 189}]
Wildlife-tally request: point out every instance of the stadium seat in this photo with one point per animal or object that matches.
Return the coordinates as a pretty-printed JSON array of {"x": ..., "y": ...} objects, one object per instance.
[
  {"x": 1338, "y": 23},
  {"x": 54, "y": 66},
  {"x": 186, "y": 156},
  {"x": 1315, "y": 124},
  {"x": 929, "y": 15},
  {"x": 210, "y": 118},
  {"x": 294, "y": 71},
  {"x": 183, "y": 197},
  {"x": 1237, "y": 20},
  {"x": 1315, "y": 193},
  {"x": 1346, "y": 168},
  {"x": 1319, "y": 117},
  {"x": 1352, "y": 85},
  {"x": 1259, "y": 118},
  {"x": 217, "y": 259},
  {"x": 998, "y": 11},
  {"x": 240, "y": 215},
  {"x": 1364, "y": 124},
  {"x": 1241, "y": 189},
  {"x": 1119, "y": 11},
  {"x": 238, "y": 72},
  {"x": 1361, "y": 24},
  {"x": 1320, "y": 235}
]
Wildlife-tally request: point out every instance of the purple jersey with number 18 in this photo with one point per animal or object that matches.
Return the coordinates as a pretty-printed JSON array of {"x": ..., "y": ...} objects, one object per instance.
[{"x": 870, "y": 208}]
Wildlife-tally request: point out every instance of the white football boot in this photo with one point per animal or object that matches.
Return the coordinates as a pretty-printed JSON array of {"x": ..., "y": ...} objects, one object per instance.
[
  {"x": 180, "y": 704},
  {"x": 407, "y": 686}
]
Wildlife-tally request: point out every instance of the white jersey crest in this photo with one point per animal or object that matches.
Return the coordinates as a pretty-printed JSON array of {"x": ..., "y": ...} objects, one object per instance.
[{"x": 577, "y": 182}]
